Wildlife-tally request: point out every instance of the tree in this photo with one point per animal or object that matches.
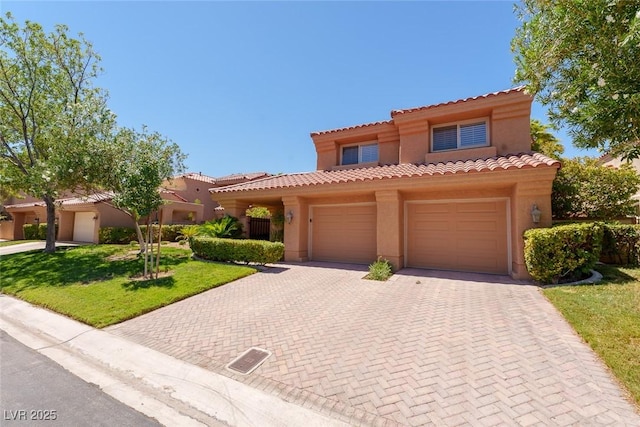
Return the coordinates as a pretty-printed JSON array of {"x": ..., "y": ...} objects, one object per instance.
[
  {"x": 137, "y": 163},
  {"x": 583, "y": 188},
  {"x": 49, "y": 112},
  {"x": 582, "y": 60},
  {"x": 543, "y": 141}
]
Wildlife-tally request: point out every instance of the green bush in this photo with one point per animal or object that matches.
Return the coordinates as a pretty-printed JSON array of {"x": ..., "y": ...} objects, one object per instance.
[
  {"x": 380, "y": 270},
  {"x": 254, "y": 251},
  {"x": 621, "y": 244},
  {"x": 227, "y": 227},
  {"x": 36, "y": 232},
  {"x": 124, "y": 235},
  {"x": 562, "y": 253},
  {"x": 117, "y": 235}
]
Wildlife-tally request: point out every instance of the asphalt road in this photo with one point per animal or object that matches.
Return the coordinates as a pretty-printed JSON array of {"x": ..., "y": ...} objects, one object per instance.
[{"x": 35, "y": 391}]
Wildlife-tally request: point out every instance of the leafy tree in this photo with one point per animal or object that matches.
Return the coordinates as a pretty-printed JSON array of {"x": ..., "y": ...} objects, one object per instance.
[
  {"x": 543, "y": 141},
  {"x": 49, "y": 112},
  {"x": 258, "y": 212},
  {"x": 583, "y": 188},
  {"x": 137, "y": 163},
  {"x": 582, "y": 59}
]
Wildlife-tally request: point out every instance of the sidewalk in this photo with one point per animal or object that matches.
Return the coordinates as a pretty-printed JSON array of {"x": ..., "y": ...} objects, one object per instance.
[{"x": 172, "y": 391}]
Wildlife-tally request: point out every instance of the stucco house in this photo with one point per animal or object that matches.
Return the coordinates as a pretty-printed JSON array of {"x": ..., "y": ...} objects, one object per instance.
[
  {"x": 187, "y": 201},
  {"x": 447, "y": 186}
]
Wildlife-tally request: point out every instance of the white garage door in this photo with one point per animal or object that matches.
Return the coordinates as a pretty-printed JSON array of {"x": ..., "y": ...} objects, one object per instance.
[
  {"x": 83, "y": 226},
  {"x": 345, "y": 233},
  {"x": 463, "y": 236}
]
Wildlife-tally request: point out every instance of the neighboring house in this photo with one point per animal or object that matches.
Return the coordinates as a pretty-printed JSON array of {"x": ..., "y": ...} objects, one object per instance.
[
  {"x": 608, "y": 160},
  {"x": 447, "y": 186},
  {"x": 193, "y": 187},
  {"x": 187, "y": 201}
]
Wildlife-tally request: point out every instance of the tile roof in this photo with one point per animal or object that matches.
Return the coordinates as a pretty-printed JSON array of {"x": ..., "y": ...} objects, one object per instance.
[
  {"x": 69, "y": 201},
  {"x": 514, "y": 161},
  {"x": 459, "y": 101},
  {"x": 223, "y": 180},
  {"x": 426, "y": 107},
  {"x": 365, "y": 125}
]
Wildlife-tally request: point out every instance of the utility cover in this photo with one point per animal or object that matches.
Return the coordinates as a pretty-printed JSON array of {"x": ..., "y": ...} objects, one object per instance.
[{"x": 249, "y": 360}]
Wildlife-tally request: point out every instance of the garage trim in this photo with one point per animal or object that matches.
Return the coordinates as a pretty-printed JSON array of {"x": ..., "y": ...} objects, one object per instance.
[{"x": 507, "y": 201}]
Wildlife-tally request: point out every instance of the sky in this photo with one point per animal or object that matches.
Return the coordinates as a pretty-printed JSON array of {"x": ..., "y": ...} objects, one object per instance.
[{"x": 239, "y": 86}]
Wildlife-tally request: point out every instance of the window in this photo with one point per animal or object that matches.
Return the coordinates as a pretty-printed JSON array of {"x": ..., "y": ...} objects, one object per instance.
[
  {"x": 354, "y": 154},
  {"x": 463, "y": 135}
]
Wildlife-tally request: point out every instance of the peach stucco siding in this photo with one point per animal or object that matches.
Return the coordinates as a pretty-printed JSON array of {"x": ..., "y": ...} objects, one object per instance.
[{"x": 489, "y": 189}]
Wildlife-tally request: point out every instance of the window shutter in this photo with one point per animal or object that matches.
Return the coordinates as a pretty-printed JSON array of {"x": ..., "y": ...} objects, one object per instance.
[
  {"x": 445, "y": 138},
  {"x": 349, "y": 155},
  {"x": 369, "y": 153},
  {"x": 473, "y": 135}
]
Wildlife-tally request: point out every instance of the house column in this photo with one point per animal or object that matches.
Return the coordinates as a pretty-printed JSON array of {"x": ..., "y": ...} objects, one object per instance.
[
  {"x": 525, "y": 195},
  {"x": 65, "y": 225},
  {"x": 390, "y": 232},
  {"x": 296, "y": 230}
]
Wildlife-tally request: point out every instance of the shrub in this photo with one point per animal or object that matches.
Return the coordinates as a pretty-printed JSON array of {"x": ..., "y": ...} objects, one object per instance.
[
  {"x": 621, "y": 244},
  {"x": 380, "y": 270},
  {"x": 255, "y": 251},
  {"x": 226, "y": 227},
  {"x": 36, "y": 231},
  {"x": 169, "y": 232},
  {"x": 563, "y": 252},
  {"x": 116, "y": 235}
]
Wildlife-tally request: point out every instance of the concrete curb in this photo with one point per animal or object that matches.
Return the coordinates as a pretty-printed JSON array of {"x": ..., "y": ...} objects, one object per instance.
[{"x": 160, "y": 386}]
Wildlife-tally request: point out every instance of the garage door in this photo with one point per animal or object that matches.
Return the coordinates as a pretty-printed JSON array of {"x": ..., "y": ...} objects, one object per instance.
[
  {"x": 464, "y": 236},
  {"x": 345, "y": 233},
  {"x": 83, "y": 225}
]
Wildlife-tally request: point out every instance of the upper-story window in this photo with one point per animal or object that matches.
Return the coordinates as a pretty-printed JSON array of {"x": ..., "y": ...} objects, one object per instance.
[
  {"x": 361, "y": 153},
  {"x": 468, "y": 134}
]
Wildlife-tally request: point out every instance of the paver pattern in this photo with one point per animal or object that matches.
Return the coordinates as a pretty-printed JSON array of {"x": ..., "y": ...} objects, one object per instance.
[{"x": 425, "y": 348}]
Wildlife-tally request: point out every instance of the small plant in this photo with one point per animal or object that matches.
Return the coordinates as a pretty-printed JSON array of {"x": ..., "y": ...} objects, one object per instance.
[
  {"x": 380, "y": 270},
  {"x": 227, "y": 227},
  {"x": 187, "y": 233}
]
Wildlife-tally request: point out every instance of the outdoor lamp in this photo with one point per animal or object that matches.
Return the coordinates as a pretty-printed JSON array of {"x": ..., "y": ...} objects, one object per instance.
[
  {"x": 535, "y": 214},
  {"x": 289, "y": 217},
  {"x": 37, "y": 220}
]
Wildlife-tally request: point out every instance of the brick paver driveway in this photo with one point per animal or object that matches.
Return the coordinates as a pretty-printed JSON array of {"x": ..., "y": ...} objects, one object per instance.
[{"x": 426, "y": 348}]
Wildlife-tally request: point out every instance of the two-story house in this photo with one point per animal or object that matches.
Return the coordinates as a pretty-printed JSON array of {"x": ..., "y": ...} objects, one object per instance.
[{"x": 448, "y": 186}]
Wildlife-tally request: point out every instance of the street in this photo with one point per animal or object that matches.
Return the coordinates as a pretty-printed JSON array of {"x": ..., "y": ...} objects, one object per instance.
[{"x": 34, "y": 390}]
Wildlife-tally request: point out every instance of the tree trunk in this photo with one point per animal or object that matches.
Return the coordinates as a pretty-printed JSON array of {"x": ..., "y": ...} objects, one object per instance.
[{"x": 50, "y": 245}]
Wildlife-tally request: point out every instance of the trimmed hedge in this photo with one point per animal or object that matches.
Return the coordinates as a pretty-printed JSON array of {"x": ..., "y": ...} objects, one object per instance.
[
  {"x": 562, "y": 253},
  {"x": 117, "y": 235},
  {"x": 621, "y": 244},
  {"x": 125, "y": 235},
  {"x": 245, "y": 250},
  {"x": 36, "y": 232}
]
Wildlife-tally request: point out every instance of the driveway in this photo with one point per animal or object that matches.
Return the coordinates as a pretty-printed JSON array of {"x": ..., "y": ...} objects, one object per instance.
[
  {"x": 33, "y": 246},
  {"x": 425, "y": 348}
]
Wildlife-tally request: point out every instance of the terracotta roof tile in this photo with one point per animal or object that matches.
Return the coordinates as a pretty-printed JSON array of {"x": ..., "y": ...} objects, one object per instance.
[
  {"x": 365, "y": 125},
  {"x": 91, "y": 199},
  {"x": 515, "y": 161},
  {"x": 486, "y": 95}
]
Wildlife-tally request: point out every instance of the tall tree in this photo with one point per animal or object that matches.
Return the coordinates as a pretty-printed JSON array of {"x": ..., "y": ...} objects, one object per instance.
[
  {"x": 582, "y": 59},
  {"x": 543, "y": 141},
  {"x": 137, "y": 164},
  {"x": 49, "y": 112}
]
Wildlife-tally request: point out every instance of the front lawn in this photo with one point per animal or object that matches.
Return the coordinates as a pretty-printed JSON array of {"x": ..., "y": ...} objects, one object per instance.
[
  {"x": 97, "y": 284},
  {"x": 607, "y": 317}
]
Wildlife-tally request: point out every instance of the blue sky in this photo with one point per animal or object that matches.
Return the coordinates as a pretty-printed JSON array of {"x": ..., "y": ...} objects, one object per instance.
[{"x": 241, "y": 85}]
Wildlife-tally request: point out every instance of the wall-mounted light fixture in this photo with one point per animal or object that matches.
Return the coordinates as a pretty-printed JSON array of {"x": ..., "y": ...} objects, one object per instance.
[
  {"x": 37, "y": 220},
  {"x": 95, "y": 217},
  {"x": 535, "y": 214},
  {"x": 289, "y": 217}
]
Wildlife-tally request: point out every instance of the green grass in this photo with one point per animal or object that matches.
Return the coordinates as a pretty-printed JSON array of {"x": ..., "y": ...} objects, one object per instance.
[
  {"x": 16, "y": 242},
  {"x": 96, "y": 284},
  {"x": 607, "y": 317}
]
